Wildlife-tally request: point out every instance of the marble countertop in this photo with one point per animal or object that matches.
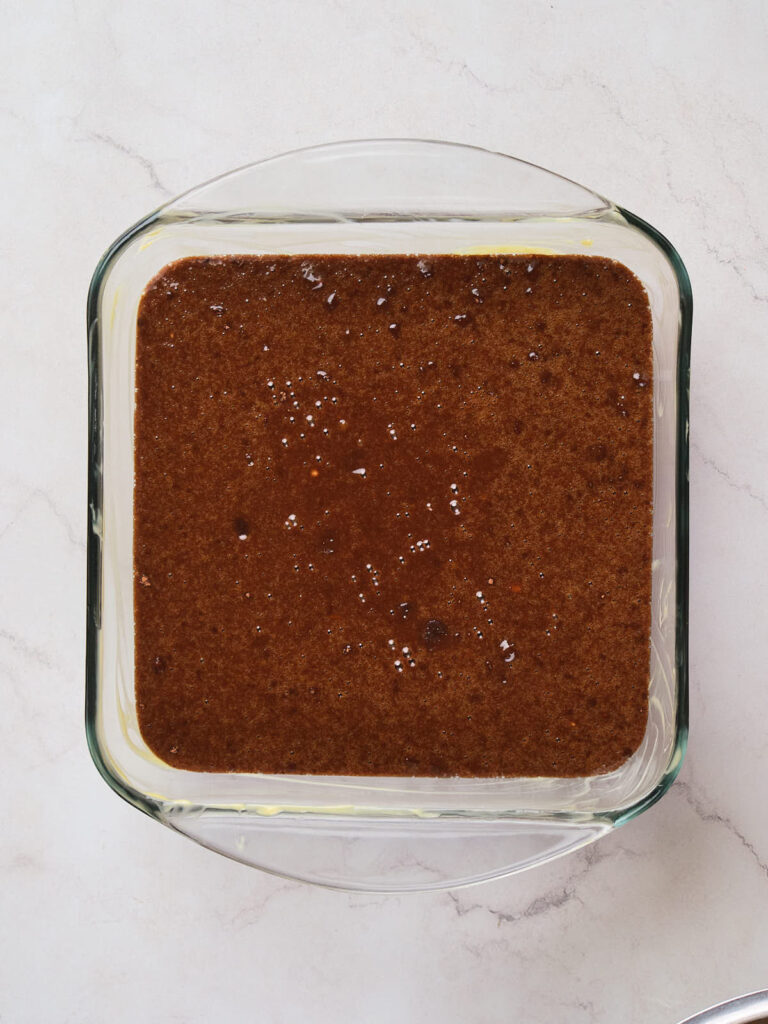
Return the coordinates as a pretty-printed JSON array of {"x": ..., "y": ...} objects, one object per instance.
[{"x": 107, "y": 110}]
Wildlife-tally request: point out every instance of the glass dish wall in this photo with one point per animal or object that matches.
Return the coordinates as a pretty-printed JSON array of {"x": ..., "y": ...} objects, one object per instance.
[{"x": 380, "y": 197}]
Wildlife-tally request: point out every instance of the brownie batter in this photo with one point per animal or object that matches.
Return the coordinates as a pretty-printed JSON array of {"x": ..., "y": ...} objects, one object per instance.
[{"x": 393, "y": 515}]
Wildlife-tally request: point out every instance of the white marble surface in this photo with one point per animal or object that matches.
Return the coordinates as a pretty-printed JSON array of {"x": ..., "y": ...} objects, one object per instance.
[{"x": 106, "y": 110}]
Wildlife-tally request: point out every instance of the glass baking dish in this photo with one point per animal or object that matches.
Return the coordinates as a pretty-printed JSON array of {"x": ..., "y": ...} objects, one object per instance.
[{"x": 379, "y": 834}]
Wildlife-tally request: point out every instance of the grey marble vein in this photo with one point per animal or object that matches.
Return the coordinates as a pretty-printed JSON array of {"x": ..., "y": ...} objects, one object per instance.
[
  {"x": 708, "y": 814},
  {"x": 38, "y": 494},
  {"x": 742, "y": 487},
  {"x": 30, "y": 652},
  {"x": 143, "y": 161},
  {"x": 554, "y": 899},
  {"x": 738, "y": 266}
]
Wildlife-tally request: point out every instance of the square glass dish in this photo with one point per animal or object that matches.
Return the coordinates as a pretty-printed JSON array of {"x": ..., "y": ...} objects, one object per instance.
[{"x": 382, "y": 834}]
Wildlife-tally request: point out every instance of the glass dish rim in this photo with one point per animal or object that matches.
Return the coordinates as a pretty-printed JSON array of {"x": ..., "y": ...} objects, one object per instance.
[{"x": 96, "y": 494}]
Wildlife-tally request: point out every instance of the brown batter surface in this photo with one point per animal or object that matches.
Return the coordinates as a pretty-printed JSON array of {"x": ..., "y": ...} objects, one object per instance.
[{"x": 393, "y": 515}]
